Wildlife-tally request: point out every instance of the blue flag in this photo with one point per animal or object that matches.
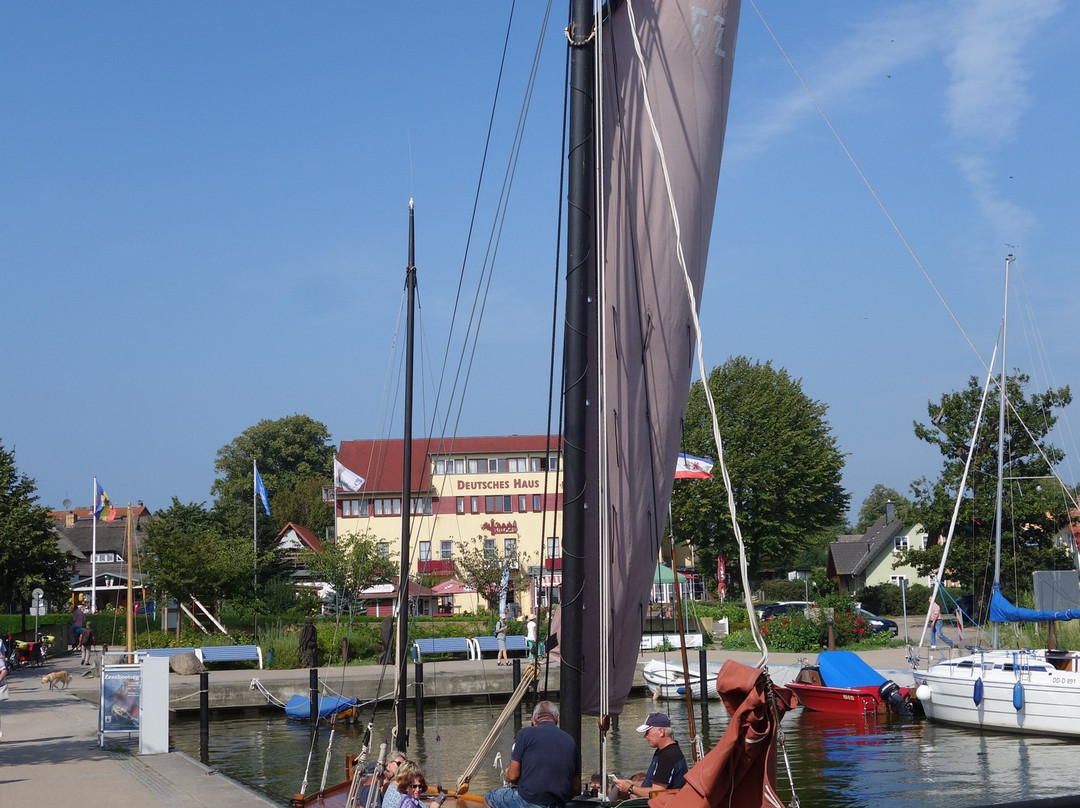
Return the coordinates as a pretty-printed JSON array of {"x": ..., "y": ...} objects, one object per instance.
[{"x": 261, "y": 490}]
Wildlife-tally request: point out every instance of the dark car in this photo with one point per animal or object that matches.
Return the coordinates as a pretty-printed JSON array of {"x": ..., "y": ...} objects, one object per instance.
[
  {"x": 771, "y": 610},
  {"x": 878, "y": 624}
]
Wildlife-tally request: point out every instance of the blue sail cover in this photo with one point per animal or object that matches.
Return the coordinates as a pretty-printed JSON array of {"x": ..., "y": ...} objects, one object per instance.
[
  {"x": 847, "y": 669},
  {"x": 1001, "y": 611},
  {"x": 299, "y": 708}
]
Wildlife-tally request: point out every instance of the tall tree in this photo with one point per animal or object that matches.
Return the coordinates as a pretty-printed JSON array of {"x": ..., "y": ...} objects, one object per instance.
[
  {"x": 1034, "y": 510},
  {"x": 29, "y": 557},
  {"x": 873, "y": 507},
  {"x": 188, "y": 551},
  {"x": 783, "y": 460}
]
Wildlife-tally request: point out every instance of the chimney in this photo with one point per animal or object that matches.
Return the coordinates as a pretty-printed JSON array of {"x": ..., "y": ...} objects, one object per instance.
[
  {"x": 890, "y": 511},
  {"x": 70, "y": 518}
]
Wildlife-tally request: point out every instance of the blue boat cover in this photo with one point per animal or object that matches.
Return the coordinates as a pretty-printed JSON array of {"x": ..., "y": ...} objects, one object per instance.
[
  {"x": 1001, "y": 611},
  {"x": 299, "y": 707},
  {"x": 846, "y": 669}
]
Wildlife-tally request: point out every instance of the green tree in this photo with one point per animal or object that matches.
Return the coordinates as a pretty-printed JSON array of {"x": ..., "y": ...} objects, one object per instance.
[
  {"x": 1032, "y": 513},
  {"x": 873, "y": 507},
  {"x": 29, "y": 557},
  {"x": 350, "y": 565},
  {"x": 188, "y": 551},
  {"x": 484, "y": 570},
  {"x": 783, "y": 460}
]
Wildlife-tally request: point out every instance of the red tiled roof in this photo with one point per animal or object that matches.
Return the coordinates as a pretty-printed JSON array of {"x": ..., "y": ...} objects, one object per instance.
[
  {"x": 380, "y": 462},
  {"x": 302, "y": 533}
]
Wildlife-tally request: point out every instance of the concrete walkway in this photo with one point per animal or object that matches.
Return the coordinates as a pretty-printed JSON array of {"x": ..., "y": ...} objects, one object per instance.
[{"x": 49, "y": 755}]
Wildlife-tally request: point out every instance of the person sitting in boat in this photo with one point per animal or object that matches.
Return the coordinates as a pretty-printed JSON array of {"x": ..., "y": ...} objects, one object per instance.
[
  {"x": 544, "y": 765},
  {"x": 936, "y": 624},
  {"x": 668, "y": 767},
  {"x": 412, "y": 785},
  {"x": 384, "y": 796}
]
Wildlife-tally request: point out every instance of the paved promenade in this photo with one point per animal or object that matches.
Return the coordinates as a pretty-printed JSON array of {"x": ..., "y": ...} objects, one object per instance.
[{"x": 49, "y": 753}]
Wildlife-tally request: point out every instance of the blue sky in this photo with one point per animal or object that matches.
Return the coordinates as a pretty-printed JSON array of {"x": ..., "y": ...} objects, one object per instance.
[{"x": 203, "y": 219}]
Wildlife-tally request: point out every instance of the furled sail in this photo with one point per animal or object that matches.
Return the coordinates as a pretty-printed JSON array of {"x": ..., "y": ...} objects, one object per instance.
[
  {"x": 645, "y": 315},
  {"x": 1002, "y": 611}
]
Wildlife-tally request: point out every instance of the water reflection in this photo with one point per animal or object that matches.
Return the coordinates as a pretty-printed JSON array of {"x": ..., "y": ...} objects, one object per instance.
[{"x": 854, "y": 763}]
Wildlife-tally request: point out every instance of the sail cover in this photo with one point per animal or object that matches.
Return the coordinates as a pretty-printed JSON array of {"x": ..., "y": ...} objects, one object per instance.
[
  {"x": 1003, "y": 611},
  {"x": 646, "y": 320}
]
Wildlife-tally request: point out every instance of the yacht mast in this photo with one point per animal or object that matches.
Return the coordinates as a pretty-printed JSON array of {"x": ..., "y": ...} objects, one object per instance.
[{"x": 1002, "y": 403}]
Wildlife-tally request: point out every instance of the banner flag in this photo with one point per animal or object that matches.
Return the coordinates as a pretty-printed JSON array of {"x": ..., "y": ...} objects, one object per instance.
[
  {"x": 347, "y": 479},
  {"x": 689, "y": 467},
  {"x": 103, "y": 507},
  {"x": 721, "y": 577},
  {"x": 261, "y": 491}
]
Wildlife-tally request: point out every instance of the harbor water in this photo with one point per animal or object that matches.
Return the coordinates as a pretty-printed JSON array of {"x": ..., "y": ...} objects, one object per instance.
[{"x": 849, "y": 763}]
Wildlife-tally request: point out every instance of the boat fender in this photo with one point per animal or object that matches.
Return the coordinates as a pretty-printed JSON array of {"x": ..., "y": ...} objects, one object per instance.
[
  {"x": 891, "y": 695},
  {"x": 1018, "y": 696},
  {"x": 977, "y": 692},
  {"x": 923, "y": 693}
]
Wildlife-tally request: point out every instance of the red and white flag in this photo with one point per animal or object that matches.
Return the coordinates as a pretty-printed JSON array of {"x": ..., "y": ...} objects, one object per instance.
[
  {"x": 721, "y": 578},
  {"x": 689, "y": 467}
]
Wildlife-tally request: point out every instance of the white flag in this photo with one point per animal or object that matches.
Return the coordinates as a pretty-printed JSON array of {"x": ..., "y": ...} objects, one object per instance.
[{"x": 348, "y": 480}]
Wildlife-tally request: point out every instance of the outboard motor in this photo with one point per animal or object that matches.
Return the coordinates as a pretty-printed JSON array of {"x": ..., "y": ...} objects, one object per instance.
[{"x": 891, "y": 695}]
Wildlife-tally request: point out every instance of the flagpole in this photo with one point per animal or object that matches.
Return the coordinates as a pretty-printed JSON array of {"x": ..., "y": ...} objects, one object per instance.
[
  {"x": 255, "y": 545},
  {"x": 93, "y": 550}
]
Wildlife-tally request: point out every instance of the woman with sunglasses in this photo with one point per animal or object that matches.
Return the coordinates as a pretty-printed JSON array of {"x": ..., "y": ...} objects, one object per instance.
[{"x": 412, "y": 786}]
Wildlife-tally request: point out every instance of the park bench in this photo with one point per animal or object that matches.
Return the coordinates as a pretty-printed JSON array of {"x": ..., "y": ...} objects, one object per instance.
[
  {"x": 231, "y": 653},
  {"x": 490, "y": 644},
  {"x": 441, "y": 645}
]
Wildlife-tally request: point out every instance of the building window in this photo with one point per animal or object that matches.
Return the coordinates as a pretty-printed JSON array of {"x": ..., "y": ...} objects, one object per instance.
[
  {"x": 107, "y": 558},
  {"x": 425, "y": 551},
  {"x": 420, "y": 505},
  {"x": 378, "y": 507},
  {"x": 365, "y": 508},
  {"x": 552, "y": 547},
  {"x": 509, "y": 548},
  {"x": 384, "y": 550},
  {"x": 521, "y": 503},
  {"x": 493, "y": 465},
  {"x": 350, "y": 507},
  {"x": 536, "y": 502},
  {"x": 440, "y": 466},
  {"x": 517, "y": 465},
  {"x": 474, "y": 504},
  {"x": 489, "y": 548},
  {"x": 898, "y": 580},
  {"x": 446, "y": 550},
  {"x": 474, "y": 466},
  {"x": 461, "y": 504},
  {"x": 550, "y": 463},
  {"x": 901, "y": 543},
  {"x": 508, "y": 504},
  {"x": 459, "y": 466}
]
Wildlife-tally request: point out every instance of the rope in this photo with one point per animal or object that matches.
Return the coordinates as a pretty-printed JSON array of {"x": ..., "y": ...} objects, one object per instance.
[{"x": 528, "y": 676}]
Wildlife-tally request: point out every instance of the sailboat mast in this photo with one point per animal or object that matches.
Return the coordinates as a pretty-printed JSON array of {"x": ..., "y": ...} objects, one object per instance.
[
  {"x": 580, "y": 310},
  {"x": 1002, "y": 403},
  {"x": 400, "y": 738}
]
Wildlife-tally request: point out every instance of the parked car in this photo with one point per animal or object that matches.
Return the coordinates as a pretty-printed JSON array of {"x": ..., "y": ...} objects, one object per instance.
[
  {"x": 878, "y": 624},
  {"x": 771, "y": 610}
]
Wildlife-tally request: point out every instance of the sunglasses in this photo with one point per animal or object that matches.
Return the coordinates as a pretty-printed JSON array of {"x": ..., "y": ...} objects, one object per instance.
[{"x": 417, "y": 785}]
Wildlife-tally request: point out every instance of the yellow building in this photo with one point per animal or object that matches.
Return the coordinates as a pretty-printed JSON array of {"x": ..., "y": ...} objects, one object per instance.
[{"x": 499, "y": 494}]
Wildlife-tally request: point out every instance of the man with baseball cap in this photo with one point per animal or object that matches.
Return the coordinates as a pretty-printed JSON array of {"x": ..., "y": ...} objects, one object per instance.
[{"x": 668, "y": 767}]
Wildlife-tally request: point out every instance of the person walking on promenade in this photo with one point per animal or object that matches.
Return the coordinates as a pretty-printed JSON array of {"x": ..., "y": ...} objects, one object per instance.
[
  {"x": 530, "y": 636},
  {"x": 500, "y": 635},
  {"x": 86, "y": 643},
  {"x": 936, "y": 624},
  {"x": 545, "y": 768}
]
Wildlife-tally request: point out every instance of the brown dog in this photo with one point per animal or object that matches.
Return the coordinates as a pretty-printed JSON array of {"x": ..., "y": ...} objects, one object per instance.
[{"x": 56, "y": 679}]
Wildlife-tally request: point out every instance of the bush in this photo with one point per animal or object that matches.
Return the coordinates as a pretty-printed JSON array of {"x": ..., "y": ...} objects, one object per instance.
[{"x": 887, "y": 599}]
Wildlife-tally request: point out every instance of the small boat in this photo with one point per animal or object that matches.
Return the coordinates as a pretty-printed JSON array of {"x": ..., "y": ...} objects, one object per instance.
[
  {"x": 666, "y": 680},
  {"x": 843, "y": 684},
  {"x": 339, "y": 708}
]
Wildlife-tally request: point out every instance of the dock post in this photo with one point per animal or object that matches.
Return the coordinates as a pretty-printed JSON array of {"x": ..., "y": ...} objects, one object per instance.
[
  {"x": 516, "y": 682},
  {"x": 418, "y": 692},
  {"x": 204, "y": 717},
  {"x": 704, "y": 684},
  {"x": 313, "y": 698}
]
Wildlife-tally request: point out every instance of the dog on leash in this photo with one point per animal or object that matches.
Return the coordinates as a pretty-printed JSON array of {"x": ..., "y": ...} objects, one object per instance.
[{"x": 56, "y": 679}]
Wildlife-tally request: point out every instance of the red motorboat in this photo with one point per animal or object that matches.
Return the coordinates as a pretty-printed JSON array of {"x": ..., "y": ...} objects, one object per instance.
[{"x": 843, "y": 684}]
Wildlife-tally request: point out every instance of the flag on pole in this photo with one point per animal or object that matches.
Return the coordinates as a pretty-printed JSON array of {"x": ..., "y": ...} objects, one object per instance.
[
  {"x": 689, "y": 467},
  {"x": 103, "y": 507},
  {"x": 346, "y": 479},
  {"x": 260, "y": 489}
]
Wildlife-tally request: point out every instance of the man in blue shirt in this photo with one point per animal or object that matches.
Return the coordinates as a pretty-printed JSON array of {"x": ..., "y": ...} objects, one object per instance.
[{"x": 545, "y": 767}]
